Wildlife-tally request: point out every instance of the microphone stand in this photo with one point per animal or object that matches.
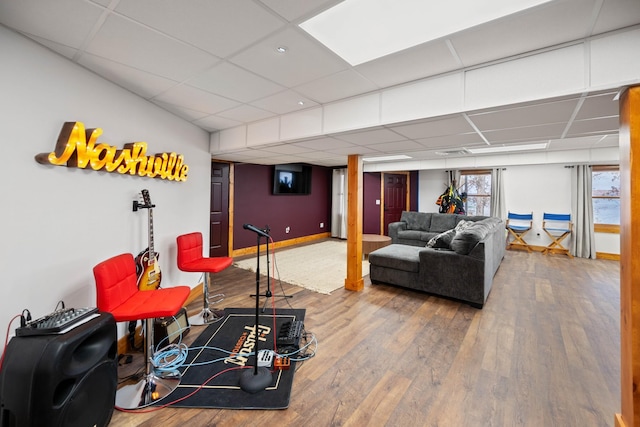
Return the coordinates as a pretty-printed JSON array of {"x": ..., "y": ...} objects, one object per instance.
[
  {"x": 268, "y": 293},
  {"x": 259, "y": 378}
]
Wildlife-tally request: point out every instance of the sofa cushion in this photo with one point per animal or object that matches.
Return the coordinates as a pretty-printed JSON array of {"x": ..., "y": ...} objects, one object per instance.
[
  {"x": 398, "y": 257},
  {"x": 416, "y": 220},
  {"x": 465, "y": 240},
  {"x": 463, "y": 224},
  {"x": 410, "y": 234},
  {"x": 444, "y": 222},
  {"x": 442, "y": 240}
]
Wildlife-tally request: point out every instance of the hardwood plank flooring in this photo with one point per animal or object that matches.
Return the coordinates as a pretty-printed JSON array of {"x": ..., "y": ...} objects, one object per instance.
[{"x": 544, "y": 351}]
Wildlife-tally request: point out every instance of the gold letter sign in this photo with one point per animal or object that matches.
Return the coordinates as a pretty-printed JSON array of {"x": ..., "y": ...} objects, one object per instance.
[{"x": 77, "y": 148}]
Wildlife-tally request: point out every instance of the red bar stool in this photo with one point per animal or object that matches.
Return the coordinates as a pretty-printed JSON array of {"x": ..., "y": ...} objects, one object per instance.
[
  {"x": 190, "y": 259},
  {"x": 118, "y": 294}
]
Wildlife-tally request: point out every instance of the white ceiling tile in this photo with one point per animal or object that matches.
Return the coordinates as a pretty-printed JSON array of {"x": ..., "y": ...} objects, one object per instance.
[
  {"x": 220, "y": 27},
  {"x": 233, "y": 82},
  {"x": 430, "y": 128},
  {"x": 214, "y": 123},
  {"x": 602, "y": 105},
  {"x": 52, "y": 20},
  {"x": 304, "y": 61},
  {"x": 547, "y": 25},
  {"x": 375, "y": 136},
  {"x": 144, "y": 84},
  {"x": 411, "y": 64},
  {"x": 397, "y": 146},
  {"x": 293, "y": 10},
  {"x": 573, "y": 143},
  {"x": 284, "y": 102},
  {"x": 602, "y": 126},
  {"x": 609, "y": 141},
  {"x": 185, "y": 113},
  {"x": 152, "y": 51},
  {"x": 529, "y": 133},
  {"x": 353, "y": 150},
  {"x": 454, "y": 140},
  {"x": 287, "y": 149},
  {"x": 199, "y": 100},
  {"x": 336, "y": 86},
  {"x": 245, "y": 113},
  {"x": 325, "y": 143},
  {"x": 550, "y": 112},
  {"x": 66, "y": 51},
  {"x": 617, "y": 14}
]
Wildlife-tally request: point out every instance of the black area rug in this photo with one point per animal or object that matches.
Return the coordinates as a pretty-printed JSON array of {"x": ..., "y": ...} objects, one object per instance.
[{"x": 234, "y": 333}]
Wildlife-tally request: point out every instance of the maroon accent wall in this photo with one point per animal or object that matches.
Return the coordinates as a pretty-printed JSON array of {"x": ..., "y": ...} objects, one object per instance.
[
  {"x": 254, "y": 204},
  {"x": 413, "y": 177},
  {"x": 370, "y": 210}
]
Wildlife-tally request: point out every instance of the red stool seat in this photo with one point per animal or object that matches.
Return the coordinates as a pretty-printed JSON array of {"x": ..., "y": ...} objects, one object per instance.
[{"x": 206, "y": 265}]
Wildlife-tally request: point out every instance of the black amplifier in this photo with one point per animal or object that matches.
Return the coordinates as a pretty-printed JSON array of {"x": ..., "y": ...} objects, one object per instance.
[{"x": 170, "y": 329}]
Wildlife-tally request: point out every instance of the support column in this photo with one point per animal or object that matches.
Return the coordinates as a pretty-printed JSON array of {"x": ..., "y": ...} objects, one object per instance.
[
  {"x": 354, "y": 281},
  {"x": 629, "y": 262}
]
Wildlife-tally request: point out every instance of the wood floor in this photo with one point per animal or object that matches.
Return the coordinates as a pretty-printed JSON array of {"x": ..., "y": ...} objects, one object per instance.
[{"x": 544, "y": 351}]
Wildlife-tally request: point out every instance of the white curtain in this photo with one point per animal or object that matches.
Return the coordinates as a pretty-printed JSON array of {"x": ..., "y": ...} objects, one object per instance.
[
  {"x": 583, "y": 243},
  {"x": 339, "y": 204},
  {"x": 498, "y": 204}
]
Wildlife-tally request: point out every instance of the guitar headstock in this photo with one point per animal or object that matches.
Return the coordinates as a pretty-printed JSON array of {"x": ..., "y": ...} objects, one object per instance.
[
  {"x": 146, "y": 198},
  {"x": 145, "y": 203}
]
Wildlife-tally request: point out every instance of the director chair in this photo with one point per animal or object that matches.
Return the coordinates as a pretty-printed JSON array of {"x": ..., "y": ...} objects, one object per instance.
[
  {"x": 558, "y": 227},
  {"x": 518, "y": 226}
]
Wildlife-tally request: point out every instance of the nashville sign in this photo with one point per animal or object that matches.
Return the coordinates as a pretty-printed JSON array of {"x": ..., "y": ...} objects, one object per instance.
[{"x": 78, "y": 147}]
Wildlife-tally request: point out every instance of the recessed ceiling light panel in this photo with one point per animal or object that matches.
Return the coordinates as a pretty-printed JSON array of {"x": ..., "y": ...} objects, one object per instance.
[
  {"x": 508, "y": 148},
  {"x": 363, "y": 30}
]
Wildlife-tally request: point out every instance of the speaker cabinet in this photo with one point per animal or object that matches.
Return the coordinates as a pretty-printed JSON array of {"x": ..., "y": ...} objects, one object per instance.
[{"x": 66, "y": 379}]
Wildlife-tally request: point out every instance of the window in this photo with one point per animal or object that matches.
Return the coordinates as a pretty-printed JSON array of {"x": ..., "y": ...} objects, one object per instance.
[
  {"x": 605, "y": 194},
  {"x": 477, "y": 185}
]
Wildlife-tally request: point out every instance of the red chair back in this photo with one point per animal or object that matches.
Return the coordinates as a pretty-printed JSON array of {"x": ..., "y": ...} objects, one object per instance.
[
  {"x": 116, "y": 281},
  {"x": 189, "y": 249}
]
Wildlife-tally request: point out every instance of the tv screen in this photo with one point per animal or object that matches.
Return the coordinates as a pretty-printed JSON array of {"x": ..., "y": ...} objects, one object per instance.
[{"x": 292, "y": 179}]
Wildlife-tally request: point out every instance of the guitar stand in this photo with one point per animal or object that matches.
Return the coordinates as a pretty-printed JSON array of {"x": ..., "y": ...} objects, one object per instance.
[{"x": 268, "y": 293}]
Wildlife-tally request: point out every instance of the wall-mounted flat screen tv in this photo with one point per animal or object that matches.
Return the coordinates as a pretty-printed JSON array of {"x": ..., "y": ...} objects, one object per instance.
[{"x": 292, "y": 179}]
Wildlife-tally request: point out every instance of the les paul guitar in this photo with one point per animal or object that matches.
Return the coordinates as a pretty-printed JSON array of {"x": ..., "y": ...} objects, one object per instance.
[{"x": 147, "y": 265}]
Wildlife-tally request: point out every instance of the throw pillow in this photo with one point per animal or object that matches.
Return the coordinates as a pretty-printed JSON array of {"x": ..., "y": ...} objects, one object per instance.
[
  {"x": 462, "y": 225},
  {"x": 442, "y": 240}
]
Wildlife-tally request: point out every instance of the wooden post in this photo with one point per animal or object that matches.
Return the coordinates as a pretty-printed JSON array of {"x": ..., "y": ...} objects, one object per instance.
[
  {"x": 629, "y": 263},
  {"x": 354, "y": 281}
]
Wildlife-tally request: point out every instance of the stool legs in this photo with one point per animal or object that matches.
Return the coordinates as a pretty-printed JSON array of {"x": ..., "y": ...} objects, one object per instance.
[
  {"x": 206, "y": 316},
  {"x": 153, "y": 386}
]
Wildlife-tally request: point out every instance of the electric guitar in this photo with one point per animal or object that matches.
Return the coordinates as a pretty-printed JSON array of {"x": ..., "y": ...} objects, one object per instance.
[{"x": 147, "y": 265}]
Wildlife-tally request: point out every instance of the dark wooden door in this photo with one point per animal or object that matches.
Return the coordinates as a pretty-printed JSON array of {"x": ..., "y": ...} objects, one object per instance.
[
  {"x": 395, "y": 198},
  {"x": 219, "y": 212}
]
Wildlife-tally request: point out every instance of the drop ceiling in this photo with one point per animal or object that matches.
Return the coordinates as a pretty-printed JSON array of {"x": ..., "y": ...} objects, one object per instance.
[{"x": 216, "y": 64}]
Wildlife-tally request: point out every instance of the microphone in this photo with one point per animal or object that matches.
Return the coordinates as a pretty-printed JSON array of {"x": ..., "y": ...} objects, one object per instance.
[{"x": 256, "y": 230}]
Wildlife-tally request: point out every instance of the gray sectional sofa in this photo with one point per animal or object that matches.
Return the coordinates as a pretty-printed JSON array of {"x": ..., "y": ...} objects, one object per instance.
[{"x": 453, "y": 256}]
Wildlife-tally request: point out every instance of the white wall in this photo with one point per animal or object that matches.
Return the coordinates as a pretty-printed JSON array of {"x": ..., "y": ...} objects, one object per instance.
[
  {"x": 529, "y": 188},
  {"x": 58, "y": 222}
]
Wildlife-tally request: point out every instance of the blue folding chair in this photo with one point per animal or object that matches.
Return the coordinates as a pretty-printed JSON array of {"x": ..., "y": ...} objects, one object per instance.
[
  {"x": 558, "y": 227},
  {"x": 518, "y": 225}
]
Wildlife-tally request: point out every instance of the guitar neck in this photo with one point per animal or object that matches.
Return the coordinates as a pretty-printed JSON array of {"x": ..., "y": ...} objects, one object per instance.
[{"x": 151, "y": 251}]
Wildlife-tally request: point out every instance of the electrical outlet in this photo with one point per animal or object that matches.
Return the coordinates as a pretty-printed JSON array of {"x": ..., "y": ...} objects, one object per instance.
[
  {"x": 322, "y": 225},
  {"x": 287, "y": 230}
]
